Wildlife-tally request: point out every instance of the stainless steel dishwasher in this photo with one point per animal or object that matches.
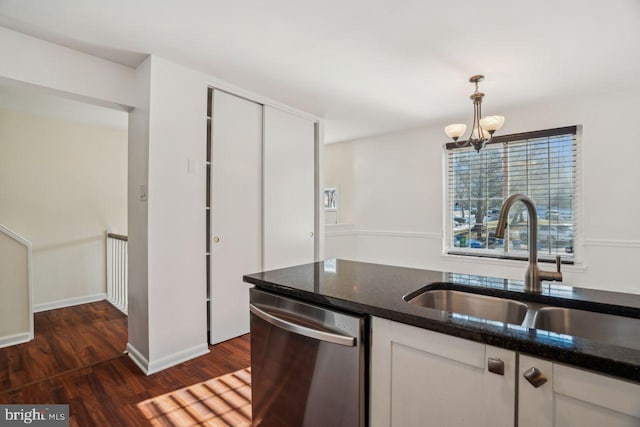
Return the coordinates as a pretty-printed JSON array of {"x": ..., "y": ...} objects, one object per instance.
[{"x": 307, "y": 364}]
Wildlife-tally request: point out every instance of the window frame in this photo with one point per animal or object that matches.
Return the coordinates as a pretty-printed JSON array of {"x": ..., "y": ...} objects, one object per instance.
[{"x": 451, "y": 252}]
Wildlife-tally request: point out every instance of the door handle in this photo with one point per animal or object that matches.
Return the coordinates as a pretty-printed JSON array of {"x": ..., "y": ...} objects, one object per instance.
[{"x": 303, "y": 330}]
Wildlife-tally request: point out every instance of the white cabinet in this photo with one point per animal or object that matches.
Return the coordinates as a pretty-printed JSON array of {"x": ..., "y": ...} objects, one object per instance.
[
  {"x": 235, "y": 211},
  {"x": 574, "y": 397},
  {"x": 289, "y": 189},
  {"x": 420, "y": 377}
]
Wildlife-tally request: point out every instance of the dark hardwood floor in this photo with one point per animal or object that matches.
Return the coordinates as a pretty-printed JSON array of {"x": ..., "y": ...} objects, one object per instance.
[
  {"x": 108, "y": 393},
  {"x": 64, "y": 339},
  {"x": 76, "y": 358}
]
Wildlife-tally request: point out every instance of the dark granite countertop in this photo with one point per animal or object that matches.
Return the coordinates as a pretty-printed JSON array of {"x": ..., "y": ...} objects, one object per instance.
[{"x": 378, "y": 290}]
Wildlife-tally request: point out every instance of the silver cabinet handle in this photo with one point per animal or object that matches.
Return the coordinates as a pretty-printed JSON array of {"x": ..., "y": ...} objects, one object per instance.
[
  {"x": 303, "y": 330},
  {"x": 495, "y": 365},
  {"x": 535, "y": 377}
]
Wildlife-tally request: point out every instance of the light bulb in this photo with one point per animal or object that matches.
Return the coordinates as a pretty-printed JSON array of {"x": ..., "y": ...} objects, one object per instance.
[
  {"x": 455, "y": 131},
  {"x": 484, "y": 134}
]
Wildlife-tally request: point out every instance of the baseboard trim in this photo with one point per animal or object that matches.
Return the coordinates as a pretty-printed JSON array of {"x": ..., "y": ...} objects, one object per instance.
[
  {"x": 138, "y": 358},
  {"x": 45, "y": 306},
  {"x": 14, "y": 339},
  {"x": 165, "y": 362}
]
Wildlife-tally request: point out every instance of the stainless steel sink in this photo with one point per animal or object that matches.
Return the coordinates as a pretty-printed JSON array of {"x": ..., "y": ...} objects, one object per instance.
[
  {"x": 482, "y": 306},
  {"x": 608, "y": 328},
  {"x": 602, "y": 327}
]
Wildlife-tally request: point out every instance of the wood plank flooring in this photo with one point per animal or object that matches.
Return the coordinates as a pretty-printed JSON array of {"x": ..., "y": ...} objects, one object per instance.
[
  {"x": 65, "y": 339},
  {"x": 222, "y": 401},
  {"x": 110, "y": 393},
  {"x": 106, "y": 393}
]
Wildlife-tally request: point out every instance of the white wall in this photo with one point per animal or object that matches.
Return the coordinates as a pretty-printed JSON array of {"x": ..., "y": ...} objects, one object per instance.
[
  {"x": 177, "y": 135},
  {"x": 62, "y": 184},
  {"x": 137, "y": 217},
  {"x": 339, "y": 171},
  {"x": 167, "y": 283},
  {"x": 167, "y": 275},
  {"x": 340, "y": 241},
  {"x": 65, "y": 71},
  {"x": 399, "y": 195}
]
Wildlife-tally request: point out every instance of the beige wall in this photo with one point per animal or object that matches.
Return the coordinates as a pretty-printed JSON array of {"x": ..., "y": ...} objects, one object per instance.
[
  {"x": 61, "y": 185},
  {"x": 339, "y": 170}
]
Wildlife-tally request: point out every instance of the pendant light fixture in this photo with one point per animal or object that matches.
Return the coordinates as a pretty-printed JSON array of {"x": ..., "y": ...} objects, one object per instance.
[{"x": 482, "y": 129}]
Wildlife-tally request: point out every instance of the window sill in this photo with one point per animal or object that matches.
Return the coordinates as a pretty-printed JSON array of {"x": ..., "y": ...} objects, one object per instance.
[{"x": 470, "y": 259}]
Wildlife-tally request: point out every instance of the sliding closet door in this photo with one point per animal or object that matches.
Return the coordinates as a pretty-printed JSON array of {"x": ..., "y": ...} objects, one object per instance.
[
  {"x": 289, "y": 192},
  {"x": 236, "y": 211}
]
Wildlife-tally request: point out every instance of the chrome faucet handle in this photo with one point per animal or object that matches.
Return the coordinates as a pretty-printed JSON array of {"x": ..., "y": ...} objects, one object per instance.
[{"x": 552, "y": 275}]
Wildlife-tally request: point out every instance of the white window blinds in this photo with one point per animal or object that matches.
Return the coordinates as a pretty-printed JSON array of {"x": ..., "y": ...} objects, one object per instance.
[{"x": 540, "y": 164}]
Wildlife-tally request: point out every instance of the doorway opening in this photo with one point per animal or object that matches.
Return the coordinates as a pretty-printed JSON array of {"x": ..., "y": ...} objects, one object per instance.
[{"x": 63, "y": 188}]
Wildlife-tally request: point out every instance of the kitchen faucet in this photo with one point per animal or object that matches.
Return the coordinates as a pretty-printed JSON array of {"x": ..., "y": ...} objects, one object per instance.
[{"x": 533, "y": 276}]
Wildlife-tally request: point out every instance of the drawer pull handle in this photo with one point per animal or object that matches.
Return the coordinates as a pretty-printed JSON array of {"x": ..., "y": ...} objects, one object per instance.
[
  {"x": 535, "y": 377},
  {"x": 495, "y": 365}
]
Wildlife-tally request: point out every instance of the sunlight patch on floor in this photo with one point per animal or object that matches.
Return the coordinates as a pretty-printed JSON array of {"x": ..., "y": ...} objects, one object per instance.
[{"x": 221, "y": 401}]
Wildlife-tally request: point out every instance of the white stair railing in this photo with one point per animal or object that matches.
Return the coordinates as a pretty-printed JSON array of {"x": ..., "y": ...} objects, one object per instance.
[{"x": 117, "y": 268}]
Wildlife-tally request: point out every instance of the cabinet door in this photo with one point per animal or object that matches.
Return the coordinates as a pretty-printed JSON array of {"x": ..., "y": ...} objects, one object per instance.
[
  {"x": 420, "y": 377},
  {"x": 236, "y": 208},
  {"x": 289, "y": 189},
  {"x": 574, "y": 397}
]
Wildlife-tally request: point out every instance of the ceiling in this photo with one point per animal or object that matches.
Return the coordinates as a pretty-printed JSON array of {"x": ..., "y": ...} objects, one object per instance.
[{"x": 366, "y": 66}]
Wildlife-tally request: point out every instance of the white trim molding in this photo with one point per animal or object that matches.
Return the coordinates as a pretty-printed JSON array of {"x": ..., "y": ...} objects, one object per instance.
[
  {"x": 167, "y": 361},
  {"x": 613, "y": 243},
  {"x": 509, "y": 263},
  {"x": 403, "y": 234},
  {"x": 52, "y": 305},
  {"x": 351, "y": 229},
  {"x": 10, "y": 340},
  {"x": 332, "y": 230}
]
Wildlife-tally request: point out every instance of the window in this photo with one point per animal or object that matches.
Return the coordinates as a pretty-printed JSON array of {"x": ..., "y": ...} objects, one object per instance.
[{"x": 540, "y": 164}]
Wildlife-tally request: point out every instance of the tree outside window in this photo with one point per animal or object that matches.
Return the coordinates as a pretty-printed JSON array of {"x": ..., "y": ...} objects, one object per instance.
[{"x": 543, "y": 168}]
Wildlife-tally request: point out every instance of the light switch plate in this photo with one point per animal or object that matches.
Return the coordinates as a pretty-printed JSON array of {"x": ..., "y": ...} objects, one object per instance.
[
  {"x": 143, "y": 193},
  {"x": 191, "y": 166}
]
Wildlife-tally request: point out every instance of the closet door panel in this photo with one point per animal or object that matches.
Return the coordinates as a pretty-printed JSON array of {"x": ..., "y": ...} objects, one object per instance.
[
  {"x": 236, "y": 211},
  {"x": 289, "y": 193}
]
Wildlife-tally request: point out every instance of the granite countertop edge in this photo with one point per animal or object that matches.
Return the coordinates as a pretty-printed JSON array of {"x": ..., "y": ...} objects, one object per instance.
[{"x": 620, "y": 362}]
